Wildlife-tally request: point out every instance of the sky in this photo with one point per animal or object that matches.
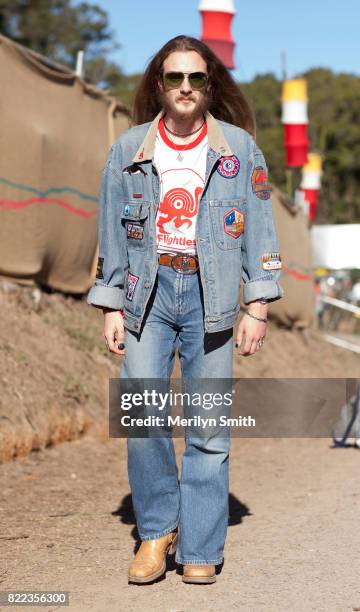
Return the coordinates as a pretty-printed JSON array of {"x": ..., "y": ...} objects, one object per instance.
[{"x": 312, "y": 33}]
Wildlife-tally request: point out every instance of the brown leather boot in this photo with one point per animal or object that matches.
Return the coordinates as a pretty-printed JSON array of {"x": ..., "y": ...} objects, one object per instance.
[
  {"x": 199, "y": 574},
  {"x": 150, "y": 559}
]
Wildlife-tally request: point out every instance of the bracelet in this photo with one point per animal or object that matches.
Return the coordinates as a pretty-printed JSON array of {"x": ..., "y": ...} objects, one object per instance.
[{"x": 257, "y": 318}]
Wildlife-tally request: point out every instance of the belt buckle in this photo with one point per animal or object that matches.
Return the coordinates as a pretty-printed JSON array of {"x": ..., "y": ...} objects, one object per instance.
[{"x": 183, "y": 268}]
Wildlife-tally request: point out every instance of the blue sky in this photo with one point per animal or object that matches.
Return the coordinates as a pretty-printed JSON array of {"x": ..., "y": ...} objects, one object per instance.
[{"x": 312, "y": 32}]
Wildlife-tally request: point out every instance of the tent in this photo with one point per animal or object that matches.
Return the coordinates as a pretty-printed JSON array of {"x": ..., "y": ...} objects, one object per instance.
[
  {"x": 297, "y": 305},
  {"x": 55, "y": 134}
]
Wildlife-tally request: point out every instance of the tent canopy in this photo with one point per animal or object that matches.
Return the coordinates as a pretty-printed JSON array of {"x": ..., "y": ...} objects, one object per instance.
[{"x": 55, "y": 133}]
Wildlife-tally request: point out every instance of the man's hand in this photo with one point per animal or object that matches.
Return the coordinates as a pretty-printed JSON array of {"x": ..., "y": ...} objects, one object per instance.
[
  {"x": 251, "y": 332},
  {"x": 113, "y": 330}
]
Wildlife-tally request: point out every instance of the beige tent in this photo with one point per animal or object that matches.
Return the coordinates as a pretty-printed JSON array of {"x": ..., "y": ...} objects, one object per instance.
[
  {"x": 55, "y": 133},
  {"x": 297, "y": 305}
]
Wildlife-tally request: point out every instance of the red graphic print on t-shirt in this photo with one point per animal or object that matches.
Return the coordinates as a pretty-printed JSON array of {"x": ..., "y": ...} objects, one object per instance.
[{"x": 178, "y": 207}]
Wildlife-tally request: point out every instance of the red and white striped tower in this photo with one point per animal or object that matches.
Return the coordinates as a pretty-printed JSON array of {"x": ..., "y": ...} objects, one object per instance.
[
  {"x": 217, "y": 16},
  {"x": 295, "y": 121},
  {"x": 311, "y": 182}
]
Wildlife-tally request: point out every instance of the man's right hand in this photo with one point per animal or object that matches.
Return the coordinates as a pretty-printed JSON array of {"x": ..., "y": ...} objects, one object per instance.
[{"x": 113, "y": 330}]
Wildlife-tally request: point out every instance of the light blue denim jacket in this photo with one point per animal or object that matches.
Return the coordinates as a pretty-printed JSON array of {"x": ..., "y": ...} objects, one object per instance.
[{"x": 128, "y": 262}]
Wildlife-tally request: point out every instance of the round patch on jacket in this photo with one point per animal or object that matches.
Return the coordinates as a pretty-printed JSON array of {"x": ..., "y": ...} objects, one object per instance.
[
  {"x": 229, "y": 166},
  {"x": 260, "y": 183}
]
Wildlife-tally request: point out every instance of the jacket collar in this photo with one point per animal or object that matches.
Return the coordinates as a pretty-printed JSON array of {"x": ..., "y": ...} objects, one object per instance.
[{"x": 216, "y": 139}]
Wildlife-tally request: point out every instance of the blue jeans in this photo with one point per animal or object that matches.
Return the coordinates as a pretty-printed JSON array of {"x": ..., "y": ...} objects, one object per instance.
[{"x": 198, "y": 503}]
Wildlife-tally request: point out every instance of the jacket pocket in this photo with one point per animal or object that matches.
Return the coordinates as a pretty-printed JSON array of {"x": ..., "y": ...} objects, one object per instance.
[
  {"x": 227, "y": 222},
  {"x": 135, "y": 219}
]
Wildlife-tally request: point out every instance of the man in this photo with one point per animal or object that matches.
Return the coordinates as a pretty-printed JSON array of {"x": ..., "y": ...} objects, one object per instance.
[{"x": 185, "y": 213}]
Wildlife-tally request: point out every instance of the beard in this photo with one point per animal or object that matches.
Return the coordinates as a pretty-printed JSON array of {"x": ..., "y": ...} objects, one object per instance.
[{"x": 200, "y": 106}]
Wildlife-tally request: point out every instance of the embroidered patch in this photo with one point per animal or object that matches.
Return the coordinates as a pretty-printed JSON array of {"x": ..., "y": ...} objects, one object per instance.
[
  {"x": 271, "y": 261},
  {"x": 229, "y": 166},
  {"x": 135, "y": 230},
  {"x": 99, "y": 269},
  {"x": 234, "y": 223},
  {"x": 134, "y": 169},
  {"x": 260, "y": 183},
  {"x": 131, "y": 284}
]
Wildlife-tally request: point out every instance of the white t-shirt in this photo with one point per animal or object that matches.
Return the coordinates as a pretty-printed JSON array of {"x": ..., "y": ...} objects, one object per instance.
[{"x": 181, "y": 185}]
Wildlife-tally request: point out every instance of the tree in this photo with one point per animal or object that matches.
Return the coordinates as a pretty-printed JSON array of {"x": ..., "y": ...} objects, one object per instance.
[
  {"x": 264, "y": 92},
  {"x": 334, "y": 112},
  {"x": 58, "y": 29},
  {"x": 334, "y": 131}
]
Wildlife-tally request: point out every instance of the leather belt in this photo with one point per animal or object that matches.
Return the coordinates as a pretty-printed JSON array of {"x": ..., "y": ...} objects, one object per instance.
[{"x": 185, "y": 264}]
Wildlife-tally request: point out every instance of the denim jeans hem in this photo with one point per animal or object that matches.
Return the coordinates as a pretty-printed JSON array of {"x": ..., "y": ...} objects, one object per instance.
[
  {"x": 198, "y": 562},
  {"x": 159, "y": 535}
]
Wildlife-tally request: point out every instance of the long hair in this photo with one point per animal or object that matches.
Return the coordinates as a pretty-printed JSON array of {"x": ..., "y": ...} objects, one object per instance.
[{"x": 226, "y": 100}]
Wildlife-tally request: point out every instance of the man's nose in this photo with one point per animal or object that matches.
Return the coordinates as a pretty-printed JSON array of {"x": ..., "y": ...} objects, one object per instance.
[{"x": 185, "y": 86}]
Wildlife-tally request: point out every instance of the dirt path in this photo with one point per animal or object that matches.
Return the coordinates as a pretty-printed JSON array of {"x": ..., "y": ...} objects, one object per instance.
[
  {"x": 55, "y": 368},
  {"x": 293, "y": 541}
]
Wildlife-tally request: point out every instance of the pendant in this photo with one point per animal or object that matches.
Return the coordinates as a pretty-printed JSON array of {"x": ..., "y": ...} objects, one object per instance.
[{"x": 180, "y": 157}]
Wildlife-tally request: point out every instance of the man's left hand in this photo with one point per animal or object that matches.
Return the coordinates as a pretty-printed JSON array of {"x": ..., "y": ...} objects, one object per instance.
[{"x": 251, "y": 333}]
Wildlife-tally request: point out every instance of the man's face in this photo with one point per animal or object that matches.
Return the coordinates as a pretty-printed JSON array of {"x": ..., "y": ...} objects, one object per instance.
[{"x": 184, "y": 102}]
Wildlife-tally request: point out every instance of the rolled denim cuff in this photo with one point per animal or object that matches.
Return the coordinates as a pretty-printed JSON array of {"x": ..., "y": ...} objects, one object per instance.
[
  {"x": 108, "y": 297},
  {"x": 268, "y": 289}
]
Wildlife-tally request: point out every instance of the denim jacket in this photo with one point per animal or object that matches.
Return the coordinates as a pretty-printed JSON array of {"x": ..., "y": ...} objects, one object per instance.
[{"x": 235, "y": 231}]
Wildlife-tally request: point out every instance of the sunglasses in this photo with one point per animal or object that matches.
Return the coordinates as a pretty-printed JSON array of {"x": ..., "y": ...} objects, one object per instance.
[{"x": 173, "y": 80}]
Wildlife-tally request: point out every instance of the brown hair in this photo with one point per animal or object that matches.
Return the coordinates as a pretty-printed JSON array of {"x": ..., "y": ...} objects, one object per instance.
[{"x": 226, "y": 100}]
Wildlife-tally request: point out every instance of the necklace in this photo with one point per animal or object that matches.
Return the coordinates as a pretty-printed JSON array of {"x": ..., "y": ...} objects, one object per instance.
[
  {"x": 184, "y": 135},
  {"x": 179, "y": 156}
]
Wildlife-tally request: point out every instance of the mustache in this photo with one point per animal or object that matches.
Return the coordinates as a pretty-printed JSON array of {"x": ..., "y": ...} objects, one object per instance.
[
  {"x": 203, "y": 105},
  {"x": 178, "y": 98}
]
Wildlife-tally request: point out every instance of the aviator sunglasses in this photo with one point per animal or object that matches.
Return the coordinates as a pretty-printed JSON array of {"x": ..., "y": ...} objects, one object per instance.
[{"x": 173, "y": 80}]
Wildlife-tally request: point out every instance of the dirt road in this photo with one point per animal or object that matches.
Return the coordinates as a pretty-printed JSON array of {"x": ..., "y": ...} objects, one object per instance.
[{"x": 293, "y": 541}]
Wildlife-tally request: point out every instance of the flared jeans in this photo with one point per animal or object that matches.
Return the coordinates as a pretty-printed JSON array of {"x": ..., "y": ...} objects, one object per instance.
[{"x": 197, "y": 503}]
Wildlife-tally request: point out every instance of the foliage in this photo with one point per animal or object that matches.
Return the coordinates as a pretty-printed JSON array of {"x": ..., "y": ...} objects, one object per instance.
[
  {"x": 60, "y": 28},
  {"x": 334, "y": 132},
  {"x": 126, "y": 87}
]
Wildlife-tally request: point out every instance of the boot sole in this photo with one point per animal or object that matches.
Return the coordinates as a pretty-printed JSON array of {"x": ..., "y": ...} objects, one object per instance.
[
  {"x": 199, "y": 579},
  {"x": 145, "y": 579}
]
